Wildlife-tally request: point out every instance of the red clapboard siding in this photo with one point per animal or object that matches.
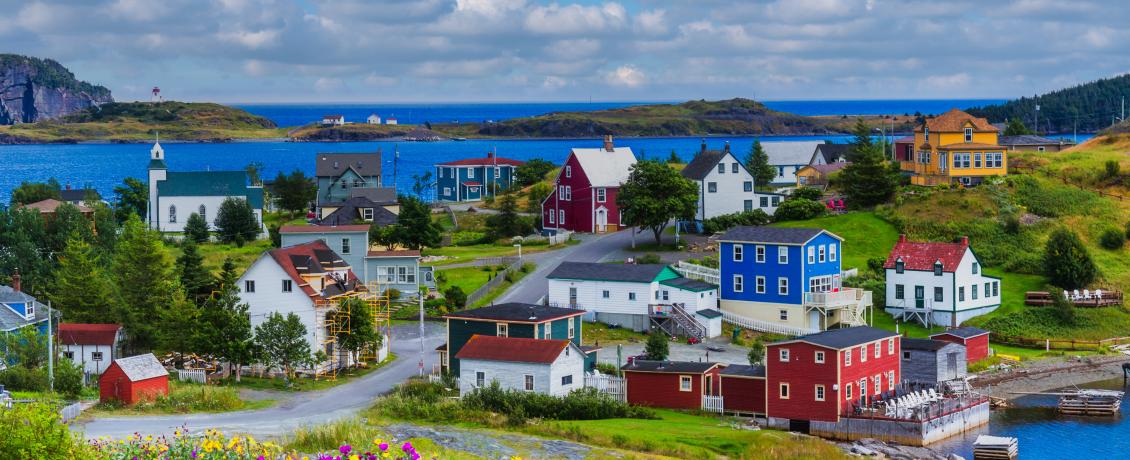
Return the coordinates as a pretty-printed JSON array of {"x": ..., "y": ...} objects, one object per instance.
[
  {"x": 743, "y": 394},
  {"x": 661, "y": 389},
  {"x": 114, "y": 385}
]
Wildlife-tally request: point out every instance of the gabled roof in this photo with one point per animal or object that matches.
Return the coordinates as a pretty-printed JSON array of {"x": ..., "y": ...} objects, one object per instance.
[
  {"x": 489, "y": 160},
  {"x": 513, "y": 349},
  {"x": 921, "y": 256},
  {"x": 924, "y": 344},
  {"x": 395, "y": 253},
  {"x": 635, "y": 273},
  {"x": 702, "y": 164},
  {"x": 334, "y": 164},
  {"x": 604, "y": 168},
  {"x": 965, "y": 332},
  {"x": 828, "y": 168},
  {"x": 1028, "y": 139},
  {"x": 88, "y": 334},
  {"x": 350, "y": 212},
  {"x": 830, "y": 152},
  {"x": 775, "y": 235},
  {"x": 381, "y": 195},
  {"x": 312, "y": 258},
  {"x": 50, "y": 205},
  {"x": 9, "y": 319},
  {"x": 955, "y": 121},
  {"x": 78, "y": 194},
  {"x": 516, "y": 312},
  {"x": 671, "y": 367},
  {"x": 839, "y": 339},
  {"x": 744, "y": 370},
  {"x": 211, "y": 183},
  {"x": 790, "y": 153},
  {"x": 323, "y": 228},
  {"x": 141, "y": 367}
]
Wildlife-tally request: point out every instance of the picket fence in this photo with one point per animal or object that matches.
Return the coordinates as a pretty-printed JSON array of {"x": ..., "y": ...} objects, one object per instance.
[
  {"x": 608, "y": 384},
  {"x": 712, "y": 404},
  {"x": 192, "y": 375}
]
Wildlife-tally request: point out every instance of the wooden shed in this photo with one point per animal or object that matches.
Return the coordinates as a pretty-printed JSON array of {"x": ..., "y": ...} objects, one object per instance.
[
  {"x": 672, "y": 384},
  {"x": 134, "y": 379},
  {"x": 743, "y": 389},
  {"x": 976, "y": 341}
]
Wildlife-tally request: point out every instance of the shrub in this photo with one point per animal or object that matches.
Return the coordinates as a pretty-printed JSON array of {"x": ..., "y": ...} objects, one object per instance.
[
  {"x": 649, "y": 259},
  {"x": 20, "y": 378},
  {"x": 455, "y": 297},
  {"x": 1054, "y": 200},
  {"x": 36, "y": 431},
  {"x": 1066, "y": 262},
  {"x": 392, "y": 293},
  {"x": 1113, "y": 239},
  {"x": 875, "y": 264},
  {"x": 467, "y": 238},
  {"x": 583, "y": 404},
  {"x": 657, "y": 347},
  {"x": 1111, "y": 169},
  {"x": 727, "y": 221},
  {"x": 808, "y": 193},
  {"x": 798, "y": 209}
]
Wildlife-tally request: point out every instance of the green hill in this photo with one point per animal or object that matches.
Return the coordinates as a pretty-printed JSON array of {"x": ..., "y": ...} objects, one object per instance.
[{"x": 1087, "y": 107}]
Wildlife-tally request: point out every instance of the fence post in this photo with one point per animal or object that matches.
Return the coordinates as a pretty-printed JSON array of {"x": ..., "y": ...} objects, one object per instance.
[{"x": 1047, "y": 345}]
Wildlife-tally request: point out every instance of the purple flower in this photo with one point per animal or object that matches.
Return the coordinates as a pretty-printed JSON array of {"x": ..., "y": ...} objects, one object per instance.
[
  {"x": 345, "y": 448},
  {"x": 383, "y": 446},
  {"x": 406, "y": 447},
  {"x": 415, "y": 456}
]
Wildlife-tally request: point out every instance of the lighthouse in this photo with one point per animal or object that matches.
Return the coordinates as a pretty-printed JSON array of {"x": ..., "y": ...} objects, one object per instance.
[{"x": 156, "y": 94}]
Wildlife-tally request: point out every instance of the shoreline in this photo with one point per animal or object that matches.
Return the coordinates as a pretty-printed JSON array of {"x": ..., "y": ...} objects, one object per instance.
[{"x": 1049, "y": 374}]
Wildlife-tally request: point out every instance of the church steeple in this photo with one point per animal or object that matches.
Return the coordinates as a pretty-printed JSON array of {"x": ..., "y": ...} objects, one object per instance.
[{"x": 157, "y": 155}]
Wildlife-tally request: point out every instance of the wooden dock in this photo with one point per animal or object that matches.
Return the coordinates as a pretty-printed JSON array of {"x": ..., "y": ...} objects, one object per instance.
[
  {"x": 1091, "y": 402},
  {"x": 995, "y": 448}
]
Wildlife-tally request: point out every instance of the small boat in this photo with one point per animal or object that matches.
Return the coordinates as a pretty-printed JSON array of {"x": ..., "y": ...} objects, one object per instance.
[
  {"x": 995, "y": 447},
  {"x": 459, "y": 139}
]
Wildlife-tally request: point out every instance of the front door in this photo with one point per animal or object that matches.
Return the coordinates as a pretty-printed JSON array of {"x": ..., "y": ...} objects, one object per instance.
[
  {"x": 601, "y": 220},
  {"x": 814, "y": 320},
  {"x": 919, "y": 297},
  {"x": 572, "y": 297},
  {"x": 943, "y": 162}
]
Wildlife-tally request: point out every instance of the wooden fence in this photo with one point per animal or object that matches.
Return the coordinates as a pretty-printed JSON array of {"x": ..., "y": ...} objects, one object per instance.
[
  {"x": 608, "y": 384},
  {"x": 498, "y": 279},
  {"x": 712, "y": 404},
  {"x": 192, "y": 375},
  {"x": 71, "y": 411},
  {"x": 1060, "y": 344}
]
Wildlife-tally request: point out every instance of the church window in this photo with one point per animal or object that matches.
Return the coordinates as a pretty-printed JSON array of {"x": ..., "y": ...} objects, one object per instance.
[
  {"x": 204, "y": 213},
  {"x": 172, "y": 214}
]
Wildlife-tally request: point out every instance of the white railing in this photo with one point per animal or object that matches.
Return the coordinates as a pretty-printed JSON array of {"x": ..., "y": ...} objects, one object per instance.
[
  {"x": 712, "y": 404},
  {"x": 71, "y": 412},
  {"x": 845, "y": 297},
  {"x": 607, "y": 384},
  {"x": 764, "y": 326},
  {"x": 560, "y": 237},
  {"x": 699, "y": 272},
  {"x": 192, "y": 375},
  {"x": 849, "y": 273}
]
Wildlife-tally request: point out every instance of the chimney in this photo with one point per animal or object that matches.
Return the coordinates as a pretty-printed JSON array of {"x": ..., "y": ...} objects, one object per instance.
[
  {"x": 16, "y": 281},
  {"x": 902, "y": 237},
  {"x": 702, "y": 149},
  {"x": 490, "y": 154},
  {"x": 965, "y": 241},
  {"x": 726, "y": 148},
  {"x": 608, "y": 143},
  {"x": 68, "y": 186}
]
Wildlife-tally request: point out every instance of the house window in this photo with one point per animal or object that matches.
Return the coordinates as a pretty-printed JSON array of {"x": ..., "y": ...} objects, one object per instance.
[
  {"x": 605, "y": 294},
  {"x": 287, "y": 285},
  {"x": 863, "y": 354},
  {"x": 561, "y": 217},
  {"x": 988, "y": 290},
  {"x": 996, "y": 288},
  {"x": 471, "y": 173},
  {"x": 759, "y": 254},
  {"x": 847, "y": 358},
  {"x": 819, "y": 357},
  {"x": 203, "y": 213},
  {"x": 96, "y": 356},
  {"x": 497, "y": 172},
  {"x": 685, "y": 383},
  {"x": 926, "y": 133},
  {"x": 819, "y": 392},
  {"x": 811, "y": 255},
  {"x": 968, "y": 134},
  {"x": 783, "y": 314},
  {"x": 783, "y": 355},
  {"x": 782, "y": 254},
  {"x": 529, "y": 382},
  {"x": 906, "y": 356},
  {"x": 480, "y": 379},
  {"x": 737, "y": 253},
  {"x": 784, "y": 391},
  {"x": 832, "y": 250},
  {"x": 721, "y": 168},
  {"x": 249, "y": 286},
  {"x": 747, "y": 186},
  {"x": 711, "y": 187},
  {"x": 69, "y": 355},
  {"x": 552, "y": 217},
  {"x": 734, "y": 168},
  {"x": 566, "y": 380},
  {"x": 570, "y": 322},
  {"x": 878, "y": 350},
  {"x": 568, "y": 193},
  {"x": 973, "y": 291},
  {"x": 878, "y": 384},
  {"x": 666, "y": 294},
  {"x": 568, "y": 171},
  {"x": 847, "y": 392},
  {"x": 890, "y": 380},
  {"x": 890, "y": 347},
  {"x": 759, "y": 284},
  {"x": 938, "y": 294},
  {"x": 631, "y": 296},
  {"x": 367, "y": 213},
  {"x": 764, "y": 202},
  {"x": 502, "y": 330},
  {"x": 782, "y": 286},
  {"x": 345, "y": 246},
  {"x": 780, "y": 171},
  {"x": 900, "y": 292},
  {"x": 407, "y": 275},
  {"x": 900, "y": 265},
  {"x": 961, "y": 294},
  {"x": 977, "y": 160},
  {"x": 172, "y": 214},
  {"x": 601, "y": 193},
  {"x": 938, "y": 268},
  {"x": 747, "y": 205},
  {"x": 739, "y": 283},
  {"x": 821, "y": 254},
  {"x": 776, "y": 200}
]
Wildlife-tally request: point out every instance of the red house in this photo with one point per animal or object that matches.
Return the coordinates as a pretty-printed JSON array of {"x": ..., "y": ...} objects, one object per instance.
[
  {"x": 743, "y": 389},
  {"x": 671, "y": 384},
  {"x": 820, "y": 377},
  {"x": 134, "y": 379},
  {"x": 976, "y": 341},
  {"x": 584, "y": 193}
]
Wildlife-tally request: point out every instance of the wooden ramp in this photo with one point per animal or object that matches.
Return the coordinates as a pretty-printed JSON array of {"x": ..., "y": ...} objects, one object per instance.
[{"x": 995, "y": 448}]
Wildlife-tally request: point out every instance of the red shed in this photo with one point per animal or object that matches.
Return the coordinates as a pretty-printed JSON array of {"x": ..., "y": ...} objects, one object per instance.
[
  {"x": 671, "y": 384},
  {"x": 134, "y": 379},
  {"x": 976, "y": 341},
  {"x": 822, "y": 376},
  {"x": 743, "y": 389}
]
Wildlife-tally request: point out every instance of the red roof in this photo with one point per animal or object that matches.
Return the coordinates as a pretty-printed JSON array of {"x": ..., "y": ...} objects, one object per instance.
[
  {"x": 922, "y": 256},
  {"x": 323, "y": 229},
  {"x": 285, "y": 258},
  {"x": 491, "y": 348},
  {"x": 488, "y": 161},
  {"x": 88, "y": 334},
  {"x": 472, "y": 184},
  {"x": 399, "y": 253}
]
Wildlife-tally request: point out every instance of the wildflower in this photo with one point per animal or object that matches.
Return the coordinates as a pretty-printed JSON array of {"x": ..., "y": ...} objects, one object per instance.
[
  {"x": 345, "y": 448},
  {"x": 383, "y": 446}
]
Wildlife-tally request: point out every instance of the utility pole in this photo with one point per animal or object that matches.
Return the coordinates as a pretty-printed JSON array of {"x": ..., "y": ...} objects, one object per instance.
[
  {"x": 50, "y": 349},
  {"x": 421, "y": 335},
  {"x": 1036, "y": 123}
]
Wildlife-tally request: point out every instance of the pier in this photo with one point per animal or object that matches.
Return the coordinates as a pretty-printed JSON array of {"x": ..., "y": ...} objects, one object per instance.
[{"x": 1102, "y": 403}]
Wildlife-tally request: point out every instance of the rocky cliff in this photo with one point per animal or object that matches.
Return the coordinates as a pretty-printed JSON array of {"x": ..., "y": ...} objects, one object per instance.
[{"x": 33, "y": 89}]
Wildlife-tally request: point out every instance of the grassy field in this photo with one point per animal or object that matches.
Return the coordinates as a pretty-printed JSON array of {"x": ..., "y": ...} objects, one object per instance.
[
  {"x": 184, "y": 398},
  {"x": 214, "y": 253},
  {"x": 594, "y": 333},
  {"x": 466, "y": 278},
  {"x": 140, "y": 121},
  {"x": 865, "y": 235},
  {"x": 459, "y": 254},
  {"x": 501, "y": 288},
  {"x": 305, "y": 384}
]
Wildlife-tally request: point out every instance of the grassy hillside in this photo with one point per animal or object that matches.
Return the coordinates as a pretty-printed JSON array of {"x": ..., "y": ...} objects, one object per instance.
[
  {"x": 361, "y": 132},
  {"x": 140, "y": 121}
]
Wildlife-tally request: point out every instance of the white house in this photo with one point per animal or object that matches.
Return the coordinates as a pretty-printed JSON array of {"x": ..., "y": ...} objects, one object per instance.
[
  {"x": 306, "y": 279},
  {"x": 173, "y": 196},
  {"x": 725, "y": 186},
  {"x": 788, "y": 157},
  {"x": 634, "y": 296},
  {"x": 373, "y": 119},
  {"x": 553, "y": 367},
  {"x": 333, "y": 120},
  {"x": 938, "y": 283},
  {"x": 390, "y": 121},
  {"x": 91, "y": 346}
]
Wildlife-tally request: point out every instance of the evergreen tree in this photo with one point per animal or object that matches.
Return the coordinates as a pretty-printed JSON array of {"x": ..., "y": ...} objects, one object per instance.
[
  {"x": 654, "y": 194},
  {"x": 1067, "y": 262},
  {"x": 362, "y": 332},
  {"x": 194, "y": 278},
  {"x": 143, "y": 274},
  {"x": 178, "y": 326},
  {"x": 67, "y": 222},
  {"x": 414, "y": 227},
  {"x": 106, "y": 230},
  {"x": 132, "y": 197},
  {"x": 236, "y": 223},
  {"x": 225, "y": 327},
  {"x": 196, "y": 228},
  {"x": 656, "y": 348},
  {"x": 23, "y": 237},
  {"x": 758, "y": 164},
  {"x": 507, "y": 223},
  {"x": 82, "y": 292},
  {"x": 870, "y": 179},
  {"x": 533, "y": 171},
  {"x": 281, "y": 341},
  {"x": 293, "y": 192},
  {"x": 757, "y": 353},
  {"x": 1015, "y": 127},
  {"x": 674, "y": 158}
]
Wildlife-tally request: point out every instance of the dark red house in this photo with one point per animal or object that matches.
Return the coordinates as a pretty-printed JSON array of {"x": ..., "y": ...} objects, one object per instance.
[
  {"x": 976, "y": 341},
  {"x": 671, "y": 384},
  {"x": 904, "y": 148},
  {"x": 584, "y": 192},
  {"x": 743, "y": 389},
  {"x": 134, "y": 379},
  {"x": 823, "y": 376}
]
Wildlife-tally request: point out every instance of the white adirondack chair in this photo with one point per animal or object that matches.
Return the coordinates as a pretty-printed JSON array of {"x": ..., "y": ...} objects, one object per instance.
[
  {"x": 1086, "y": 294},
  {"x": 1077, "y": 296},
  {"x": 1098, "y": 294}
]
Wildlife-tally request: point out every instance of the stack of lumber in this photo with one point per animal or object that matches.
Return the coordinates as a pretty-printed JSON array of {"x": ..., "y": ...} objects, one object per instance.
[{"x": 995, "y": 448}]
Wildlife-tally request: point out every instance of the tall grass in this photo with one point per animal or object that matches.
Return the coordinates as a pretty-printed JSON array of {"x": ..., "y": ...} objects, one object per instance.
[{"x": 185, "y": 398}]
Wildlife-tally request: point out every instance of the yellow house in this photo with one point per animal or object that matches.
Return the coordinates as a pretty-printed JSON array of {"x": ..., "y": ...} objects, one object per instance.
[{"x": 955, "y": 147}]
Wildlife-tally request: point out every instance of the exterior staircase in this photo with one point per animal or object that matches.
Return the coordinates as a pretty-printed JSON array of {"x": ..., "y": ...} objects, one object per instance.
[{"x": 675, "y": 320}]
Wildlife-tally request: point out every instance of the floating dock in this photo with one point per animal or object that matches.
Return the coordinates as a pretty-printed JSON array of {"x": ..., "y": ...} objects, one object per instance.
[
  {"x": 1091, "y": 402},
  {"x": 995, "y": 448}
]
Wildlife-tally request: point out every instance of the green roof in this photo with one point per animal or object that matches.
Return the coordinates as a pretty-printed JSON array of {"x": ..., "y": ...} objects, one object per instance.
[
  {"x": 210, "y": 183},
  {"x": 157, "y": 164}
]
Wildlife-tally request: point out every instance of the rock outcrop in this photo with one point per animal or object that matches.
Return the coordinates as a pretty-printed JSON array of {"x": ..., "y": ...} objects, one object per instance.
[{"x": 33, "y": 89}]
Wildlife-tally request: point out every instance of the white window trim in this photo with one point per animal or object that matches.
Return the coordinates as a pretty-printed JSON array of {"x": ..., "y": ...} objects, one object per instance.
[
  {"x": 502, "y": 329},
  {"x": 571, "y": 328},
  {"x": 811, "y": 255},
  {"x": 782, "y": 286},
  {"x": 739, "y": 252},
  {"x": 759, "y": 254},
  {"x": 528, "y": 383},
  {"x": 783, "y": 355},
  {"x": 739, "y": 283},
  {"x": 818, "y": 392},
  {"x": 759, "y": 285},
  {"x": 847, "y": 358},
  {"x": 783, "y": 391},
  {"x": 818, "y": 357},
  {"x": 847, "y": 392},
  {"x": 863, "y": 354},
  {"x": 686, "y": 383},
  {"x": 782, "y": 254},
  {"x": 832, "y": 252}
]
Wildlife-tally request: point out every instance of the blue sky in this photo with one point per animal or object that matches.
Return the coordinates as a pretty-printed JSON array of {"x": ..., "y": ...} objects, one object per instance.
[{"x": 529, "y": 50}]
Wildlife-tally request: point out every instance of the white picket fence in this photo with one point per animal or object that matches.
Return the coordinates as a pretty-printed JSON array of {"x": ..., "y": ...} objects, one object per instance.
[
  {"x": 192, "y": 375},
  {"x": 712, "y": 404},
  {"x": 71, "y": 412},
  {"x": 560, "y": 237},
  {"x": 699, "y": 272},
  {"x": 763, "y": 326},
  {"x": 608, "y": 384}
]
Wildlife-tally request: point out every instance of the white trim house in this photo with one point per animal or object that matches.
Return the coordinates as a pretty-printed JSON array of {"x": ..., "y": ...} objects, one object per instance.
[
  {"x": 725, "y": 186},
  {"x": 938, "y": 283},
  {"x": 553, "y": 367}
]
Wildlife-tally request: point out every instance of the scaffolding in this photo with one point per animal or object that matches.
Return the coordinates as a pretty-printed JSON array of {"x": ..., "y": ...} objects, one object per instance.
[{"x": 334, "y": 318}]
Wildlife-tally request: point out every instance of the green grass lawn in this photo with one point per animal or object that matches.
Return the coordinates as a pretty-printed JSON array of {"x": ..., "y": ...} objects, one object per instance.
[
  {"x": 458, "y": 254},
  {"x": 214, "y": 253},
  {"x": 593, "y": 333},
  {"x": 184, "y": 398},
  {"x": 865, "y": 235},
  {"x": 466, "y": 278},
  {"x": 501, "y": 288}
]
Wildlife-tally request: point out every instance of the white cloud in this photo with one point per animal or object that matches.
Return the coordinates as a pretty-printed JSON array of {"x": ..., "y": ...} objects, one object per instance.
[
  {"x": 552, "y": 83},
  {"x": 251, "y": 39},
  {"x": 328, "y": 84},
  {"x": 651, "y": 22},
  {"x": 627, "y": 75},
  {"x": 374, "y": 79},
  {"x": 576, "y": 19}
]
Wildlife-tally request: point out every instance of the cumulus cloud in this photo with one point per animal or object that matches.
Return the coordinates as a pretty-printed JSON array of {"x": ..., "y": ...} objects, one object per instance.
[{"x": 626, "y": 75}]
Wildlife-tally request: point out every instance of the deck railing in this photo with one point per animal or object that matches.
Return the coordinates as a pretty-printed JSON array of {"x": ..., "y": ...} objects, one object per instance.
[
  {"x": 698, "y": 272},
  {"x": 845, "y": 297},
  {"x": 764, "y": 326}
]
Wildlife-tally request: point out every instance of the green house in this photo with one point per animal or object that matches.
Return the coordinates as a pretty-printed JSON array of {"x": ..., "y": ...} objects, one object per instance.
[{"x": 513, "y": 320}]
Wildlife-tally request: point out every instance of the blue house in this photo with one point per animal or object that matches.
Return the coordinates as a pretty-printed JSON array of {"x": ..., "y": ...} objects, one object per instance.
[
  {"x": 473, "y": 179},
  {"x": 19, "y": 310},
  {"x": 786, "y": 280}
]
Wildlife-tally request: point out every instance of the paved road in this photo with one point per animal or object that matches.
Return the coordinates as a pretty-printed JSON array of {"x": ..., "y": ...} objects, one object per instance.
[
  {"x": 299, "y": 409},
  {"x": 593, "y": 248}
]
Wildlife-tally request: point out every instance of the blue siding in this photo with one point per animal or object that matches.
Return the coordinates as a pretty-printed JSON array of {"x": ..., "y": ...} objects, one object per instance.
[
  {"x": 828, "y": 267},
  {"x": 797, "y": 270},
  {"x": 484, "y": 175}
]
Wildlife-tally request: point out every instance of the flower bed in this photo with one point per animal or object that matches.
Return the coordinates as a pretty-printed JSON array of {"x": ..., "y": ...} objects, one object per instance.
[{"x": 214, "y": 445}]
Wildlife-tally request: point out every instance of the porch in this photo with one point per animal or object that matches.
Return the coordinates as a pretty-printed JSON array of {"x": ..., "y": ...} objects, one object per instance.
[{"x": 845, "y": 306}]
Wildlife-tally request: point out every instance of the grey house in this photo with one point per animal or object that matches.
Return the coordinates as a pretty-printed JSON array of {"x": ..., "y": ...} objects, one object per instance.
[
  {"x": 932, "y": 361},
  {"x": 398, "y": 269},
  {"x": 338, "y": 174}
]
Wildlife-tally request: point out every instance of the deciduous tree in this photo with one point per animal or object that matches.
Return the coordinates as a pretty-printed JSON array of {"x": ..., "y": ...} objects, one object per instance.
[
  {"x": 756, "y": 352},
  {"x": 533, "y": 171},
  {"x": 1067, "y": 262},
  {"x": 31, "y": 192},
  {"x": 293, "y": 192},
  {"x": 132, "y": 197},
  {"x": 654, "y": 194},
  {"x": 414, "y": 227},
  {"x": 281, "y": 341},
  {"x": 361, "y": 333},
  {"x": 1015, "y": 127}
]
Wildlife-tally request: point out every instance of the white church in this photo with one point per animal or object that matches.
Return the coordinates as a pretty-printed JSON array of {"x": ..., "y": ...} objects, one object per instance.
[{"x": 173, "y": 196}]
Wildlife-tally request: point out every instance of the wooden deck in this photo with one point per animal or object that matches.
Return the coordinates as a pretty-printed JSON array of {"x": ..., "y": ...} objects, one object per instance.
[{"x": 1042, "y": 298}]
